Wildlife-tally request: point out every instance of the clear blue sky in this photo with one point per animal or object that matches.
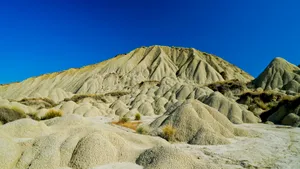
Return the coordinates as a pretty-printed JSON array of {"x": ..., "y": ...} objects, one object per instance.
[{"x": 40, "y": 36}]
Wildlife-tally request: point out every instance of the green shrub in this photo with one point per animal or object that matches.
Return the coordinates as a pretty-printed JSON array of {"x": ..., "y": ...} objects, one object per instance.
[
  {"x": 137, "y": 116},
  {"x": 142, "y": 130},
  {"x": 51, "y": 114},
  {"x": 169, "y": 132},
  {"x": 124, "y": 119}
]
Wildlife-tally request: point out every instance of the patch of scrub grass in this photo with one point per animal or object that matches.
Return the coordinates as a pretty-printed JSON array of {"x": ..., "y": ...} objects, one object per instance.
[
  {"x": 142, "y": 130},
  {"x": 130, "y": 124},
  {"x": 51, "y": 114},
  {"x": 9, "y": 114},
  {"x": 124, "y": 119},
  {"x": 169, "y": 132},
  {"x": 35, "y": 101}
]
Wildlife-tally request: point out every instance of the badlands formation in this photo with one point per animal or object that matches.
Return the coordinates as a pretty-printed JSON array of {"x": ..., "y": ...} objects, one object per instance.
[{"x": 155, "y": 107}]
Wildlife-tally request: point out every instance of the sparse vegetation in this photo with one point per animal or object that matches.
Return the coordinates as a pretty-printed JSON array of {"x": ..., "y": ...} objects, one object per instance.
[
  {"x": 234, "y": 85},
  {"x": 137, "y": 116},
  {"x": 142, "y": 130},
  {"x": 9, "y": 114},
  {"x": 151, "y": 82},
  {"x": 51, "y": 114},
  {"x": 124, "y": 119},
  {"x": 131, "y": 125},
  {"x": 117, "y": 93},
  {"x": 291, "y": 103},
  {"x": 78, "y": 97},
  {"x": 42, "y": 102},
  {"x": 169, "y": 132},
  {"x": 262, "y": 99}
]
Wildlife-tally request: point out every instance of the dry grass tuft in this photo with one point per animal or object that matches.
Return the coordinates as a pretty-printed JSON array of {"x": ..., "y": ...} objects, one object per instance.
[
  {"x": 131, "y": 125},
  {"x": 169, "y": 132},
  {"x": 51, "y": 114}
]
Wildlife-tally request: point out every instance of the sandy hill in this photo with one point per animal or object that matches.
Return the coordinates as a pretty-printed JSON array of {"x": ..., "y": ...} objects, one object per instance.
[
  {"x": 279, "y": 74},
  {"x": 124, "y": 71},
  {"x": 192, "y": 109}
]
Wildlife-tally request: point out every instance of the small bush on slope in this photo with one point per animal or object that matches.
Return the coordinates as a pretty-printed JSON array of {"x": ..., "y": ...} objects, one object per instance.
[
  {"x": 51, "y": 114},
  {"x": 137, "y": 116},
  {"x": 142, "y": 130},
  {"x": 169, "y": 132}
]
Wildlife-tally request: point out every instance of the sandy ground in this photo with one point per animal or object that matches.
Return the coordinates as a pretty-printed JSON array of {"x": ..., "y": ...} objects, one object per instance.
[
  {"x": 277, "y": 148},
  {"x": 119, "y": 166},
  {"x": 272, "y": 147}
]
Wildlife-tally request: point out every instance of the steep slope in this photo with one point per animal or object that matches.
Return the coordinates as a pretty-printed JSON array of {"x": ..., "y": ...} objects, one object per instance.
[
  {"x": 287, "y": 112},
  {"x": 279, "y": 74},
  {"x": 196, "y": 123},
  {"x": 125, "y": 71}
]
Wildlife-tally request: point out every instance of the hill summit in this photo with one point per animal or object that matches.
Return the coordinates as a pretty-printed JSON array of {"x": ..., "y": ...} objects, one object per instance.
[
  {"x": 279, "y": 74},
  {"x": 125, "y": 71}
]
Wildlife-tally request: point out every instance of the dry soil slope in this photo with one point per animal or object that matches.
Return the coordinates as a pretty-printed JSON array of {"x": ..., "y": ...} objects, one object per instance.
[
  {"x": 75, "y": 142},
  {"x": 124, "y": 71},
  {"x": 279, "y": 74}
]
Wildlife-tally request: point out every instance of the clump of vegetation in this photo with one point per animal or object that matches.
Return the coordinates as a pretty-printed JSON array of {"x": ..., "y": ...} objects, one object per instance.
[
  {"x": 137, "y": 116},
  {"x": 261, "y": 99},
  {"x": 43, "y": 102},
  {"x": 117, "y": 93},
  {"x": 142, "y": 130},
  {"x": 9, "y": 114},
  {"x": 223, "y": 87},
  {"x": 76, "y": 98},
  {"x": 169, "y": 132},
  {"x": 51, "y": 114},
  {"x": 150, "y": 82},
  {"x": 124, "y": 119},
  {"x": 125, "y": 122},
  {"x": 291, "y": 103}
]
